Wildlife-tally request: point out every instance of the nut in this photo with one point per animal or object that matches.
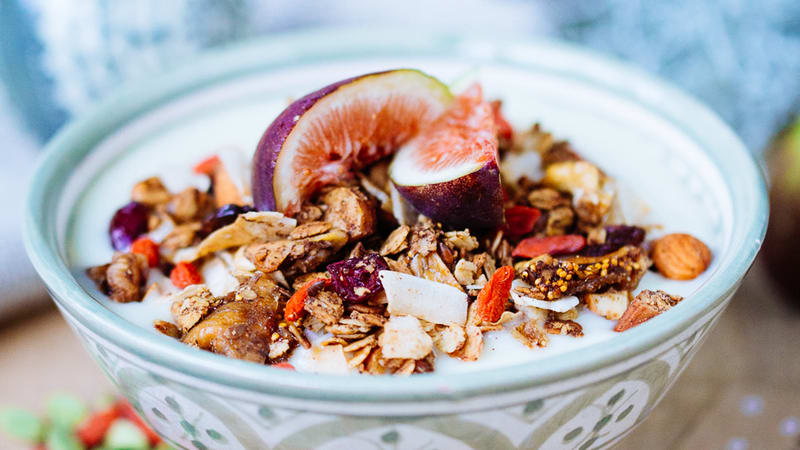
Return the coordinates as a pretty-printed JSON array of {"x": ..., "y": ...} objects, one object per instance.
[{"x": 681, "y": 256}]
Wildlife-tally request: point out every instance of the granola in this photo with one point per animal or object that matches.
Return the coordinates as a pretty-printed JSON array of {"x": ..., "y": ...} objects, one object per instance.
[{"x": 357, "y": 274}]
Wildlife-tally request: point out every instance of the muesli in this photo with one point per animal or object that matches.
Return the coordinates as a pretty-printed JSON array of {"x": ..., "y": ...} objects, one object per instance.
[{"x": 389, "y": 223}]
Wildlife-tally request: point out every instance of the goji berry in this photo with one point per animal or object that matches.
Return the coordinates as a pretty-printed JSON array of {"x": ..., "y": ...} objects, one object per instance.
[
  {"x": 185, "y": 274},
  {"x": 492, "y": 298},
  {"x": 551, "y": 245},
  {"x": 207, "y": 166},
  {"x": 294, "y": 307},
  {"x": 520, "y": 220},
  {"x": 145, "y": 246}
]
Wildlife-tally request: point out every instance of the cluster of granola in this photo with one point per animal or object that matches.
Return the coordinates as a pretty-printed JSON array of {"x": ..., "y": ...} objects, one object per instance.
[{"x": 387, "y": 288}]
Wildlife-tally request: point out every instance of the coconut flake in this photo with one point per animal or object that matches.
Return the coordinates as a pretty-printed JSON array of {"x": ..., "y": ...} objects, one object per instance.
[
  {"x": 403, "y": 337},
  {"x": 425, "y": 299}
]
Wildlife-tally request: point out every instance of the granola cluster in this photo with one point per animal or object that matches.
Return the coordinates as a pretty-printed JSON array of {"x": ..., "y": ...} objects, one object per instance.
[{"x": 361, "y": 274}]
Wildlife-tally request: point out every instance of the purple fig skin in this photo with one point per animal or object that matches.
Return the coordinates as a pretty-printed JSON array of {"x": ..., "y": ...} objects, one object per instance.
[
  {"x": 472, "y": 201},
  {"x": 269, "y": 147}
]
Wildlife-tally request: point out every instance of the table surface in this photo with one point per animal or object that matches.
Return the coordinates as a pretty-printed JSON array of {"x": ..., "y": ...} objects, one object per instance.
[{"x": 740, "y": 391}]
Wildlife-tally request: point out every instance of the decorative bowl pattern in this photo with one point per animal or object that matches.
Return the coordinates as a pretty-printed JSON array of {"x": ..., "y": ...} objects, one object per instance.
[{"x": 587, "y": 398}]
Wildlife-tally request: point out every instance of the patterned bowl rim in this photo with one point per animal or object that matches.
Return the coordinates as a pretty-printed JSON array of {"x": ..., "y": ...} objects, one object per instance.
[{"x": 743, "y": 179}]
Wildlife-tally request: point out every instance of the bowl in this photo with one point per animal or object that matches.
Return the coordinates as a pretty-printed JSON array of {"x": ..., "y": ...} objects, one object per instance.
[{"x": 680, "y": 155}]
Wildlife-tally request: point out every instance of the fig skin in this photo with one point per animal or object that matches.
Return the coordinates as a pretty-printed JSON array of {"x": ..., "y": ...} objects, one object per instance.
[{"x": 472, "y": 201}]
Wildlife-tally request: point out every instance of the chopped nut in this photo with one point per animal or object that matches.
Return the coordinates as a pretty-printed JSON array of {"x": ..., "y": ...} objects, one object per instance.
[
  {"x": 424, "y": 238},
  {"x": 403, "y": 337},
  {"x": 191, "y": 305},
  {"x": 559, "y": 152},
  {"x": 350, "y": 210},
  {"x": 396, "y": 242},
  {"x": 326, "y": 306},
  {"x": 125, "y": 277},
  {"x": 261, "y": 286},
  {"x": 190, "y": 204},
  {"x": 466, "y": 272},
  {"x": 167, "y": 329},
  {"x": 646, "y": 305},
  {"x": 559, "y": 220},
  {"x": 150, "y": 192},
  {"x": 563, "y": 327},
  {"x": 681, "y": 256},
  {"x": 279, "y": 349},
  {"x": 431, "y": 267},
  {"x": 461, "y": 240},
  {"x": 310, "y": 229},
  {"x": 98, "y": 275},
  {"x": 610, "y": 304},
  {"x": 181, "y": 236},
  {"x": 449, "y": 338},
  {"x": 531, "y": 333},
  {"x": 547, "y": 199},
  {"x": 308, "y": 213}
]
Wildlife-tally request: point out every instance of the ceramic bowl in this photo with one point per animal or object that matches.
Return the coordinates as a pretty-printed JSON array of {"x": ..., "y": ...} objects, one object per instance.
[{"x": 678, "y": 153}]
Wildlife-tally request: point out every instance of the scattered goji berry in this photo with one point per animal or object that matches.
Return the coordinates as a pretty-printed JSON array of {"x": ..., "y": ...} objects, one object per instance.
[
  {"x": 551, "y": 245},
  {"x": 207, "y": 166},
  {"x": 94, "y": 428},
  {"x": 492, "y": 299},
  {"x": 145, "y": 246},
  {"x": 294, "y": 307},
  {"x": 520, "y": 220},
  {"x": 185, "y": 274}
]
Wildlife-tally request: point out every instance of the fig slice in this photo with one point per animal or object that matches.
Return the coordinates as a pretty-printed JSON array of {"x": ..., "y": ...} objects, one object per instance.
[
  {"x": 323, "y": 137},
  {"x": 449, "y": 172}
]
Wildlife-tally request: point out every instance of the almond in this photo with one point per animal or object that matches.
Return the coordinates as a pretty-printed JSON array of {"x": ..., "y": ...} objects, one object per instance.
[
  {"x": 644, "y": 307},
  {"x": 681, "y": 256}
]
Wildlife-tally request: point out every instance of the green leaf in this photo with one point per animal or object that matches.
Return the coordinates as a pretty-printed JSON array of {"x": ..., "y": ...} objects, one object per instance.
[
  {"x": 533, "y": 406},
  {"x": 199, "y": 445},
  {"x": 60, "y": 437},
  {"x": 215, "y": 435},
  {"x": 390, "y": 437},
  {"x": 66, "y": 410},
  {"x": 601, "y": 423},
  {"x": 624, "y": 413},
  {"x": 573, "y": 434},
  {"x": 21, "y": 424},
  {"x": 613, "y": 400},
  {"x": 124, "y": 434}
]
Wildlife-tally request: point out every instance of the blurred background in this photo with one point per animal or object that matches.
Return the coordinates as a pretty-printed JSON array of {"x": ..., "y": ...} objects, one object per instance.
[{"x": 741, "y": 57}]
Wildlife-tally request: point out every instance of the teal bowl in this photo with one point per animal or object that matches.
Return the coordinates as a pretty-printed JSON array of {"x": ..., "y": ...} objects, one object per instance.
[{"x": 681, "y": 155}]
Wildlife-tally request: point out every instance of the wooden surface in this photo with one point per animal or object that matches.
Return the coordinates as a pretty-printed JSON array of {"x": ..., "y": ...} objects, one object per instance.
[{"x": 742, "y": 390}]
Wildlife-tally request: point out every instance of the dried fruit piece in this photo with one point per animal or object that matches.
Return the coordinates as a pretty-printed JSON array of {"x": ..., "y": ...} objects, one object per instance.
[
  {"x": 224, "y": 215},
  {"x": 681, "y": 256},
  {"x": 616, "y": 237},
  {"x": 185, "y": 274},
  {"x": 294, "y": 307},
  {"x": 207, "y": 166},
  {"x": 356, "y": 279},
  {"x": 645, "y": 306},
  {"x": 128, "y": 223},
  {"x": 550, "y": 245},
  {"x": 504, "y": 130},
  {"x": 146, "y": 247},
  {"x": 492, "y": 299},
  {"x": 150, "y": 191},
  {"x": 283, "y": 365},
  {"x": 520, "y": 220}
]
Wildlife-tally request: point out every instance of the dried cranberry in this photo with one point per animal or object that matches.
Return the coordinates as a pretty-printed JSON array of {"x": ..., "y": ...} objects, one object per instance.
[
  {"x": 128, "y": 223},
  {"x": 356, "y": 279},
  {"x": 224, "y": 215},
  {"x": 617, "y": 236}
]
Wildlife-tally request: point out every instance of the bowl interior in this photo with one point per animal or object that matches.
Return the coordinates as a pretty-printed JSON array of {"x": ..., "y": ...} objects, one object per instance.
[{"x": 691, "y": 171}]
